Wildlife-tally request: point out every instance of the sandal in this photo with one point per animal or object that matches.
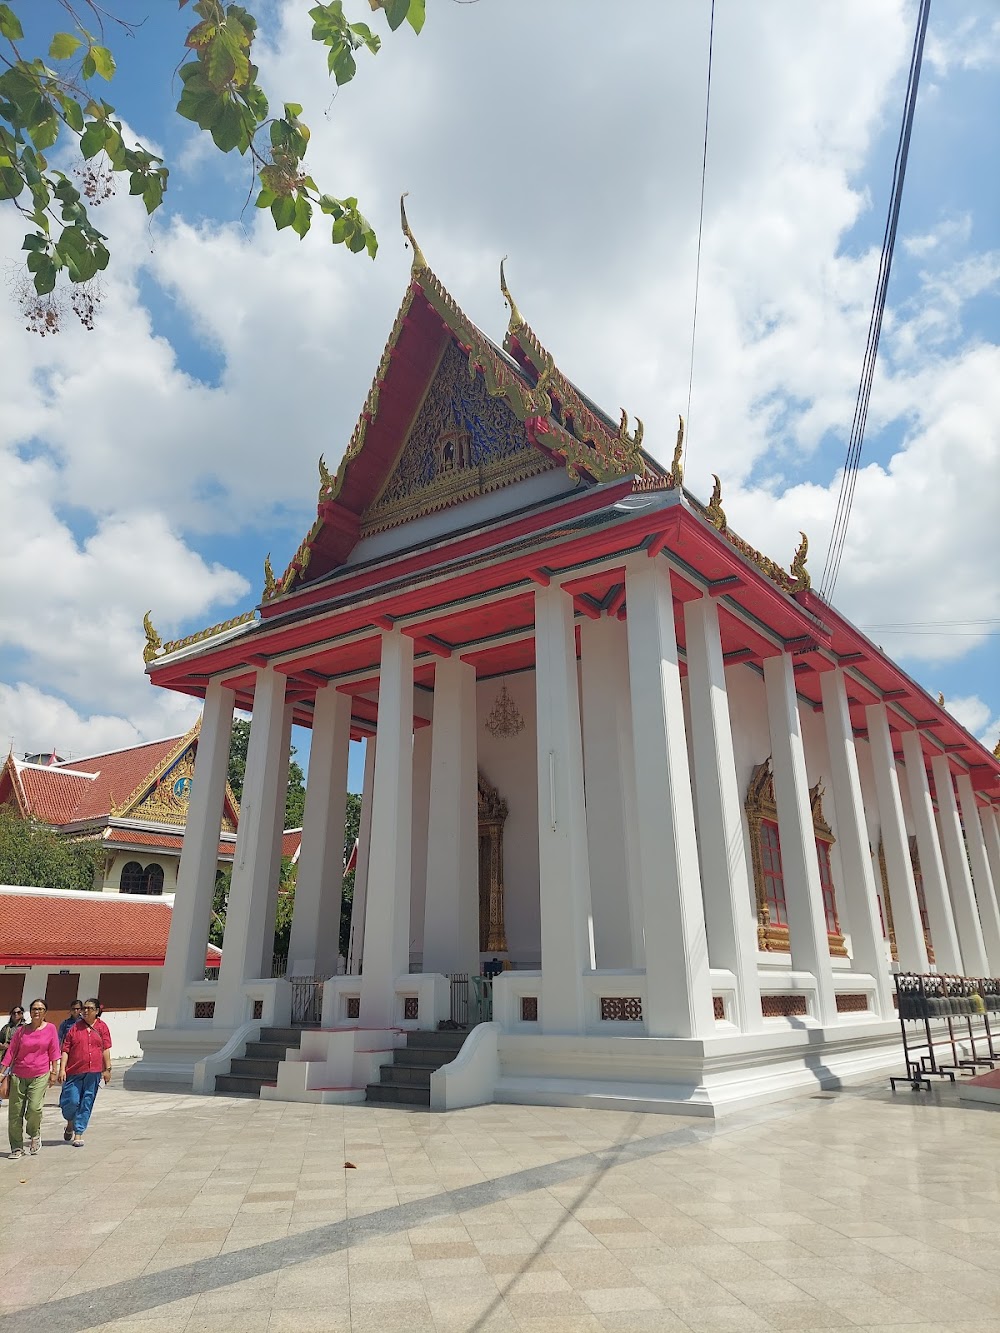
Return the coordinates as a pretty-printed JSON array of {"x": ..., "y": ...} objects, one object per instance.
[
  {"x": 77, "y": 1140},
  {"x": 15, "y": 1153},
  {"x": 68, "y": 1132},
  {"x": 34, "y": 1145}
]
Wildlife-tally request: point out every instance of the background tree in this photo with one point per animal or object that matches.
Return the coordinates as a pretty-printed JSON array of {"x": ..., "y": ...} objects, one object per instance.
[
  {"x": 51, "y": 100},
  {"x": 352, "y": 826},
  {"x": 295, "y": 797},
  {"x": 33, "y": 856}
]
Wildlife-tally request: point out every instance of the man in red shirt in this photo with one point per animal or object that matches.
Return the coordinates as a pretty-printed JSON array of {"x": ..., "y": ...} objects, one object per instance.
[{"x": 85, "y": 1060}]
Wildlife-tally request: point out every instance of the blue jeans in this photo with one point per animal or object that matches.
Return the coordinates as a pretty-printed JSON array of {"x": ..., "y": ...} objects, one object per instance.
[{"x": 76, "y": 1101}]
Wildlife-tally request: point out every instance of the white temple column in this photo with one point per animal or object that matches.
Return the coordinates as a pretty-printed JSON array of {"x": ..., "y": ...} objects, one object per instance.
[
  {"x": 387, "y": 911},
  {"x": 192, "y": 912},
  {"x": 895, "y": 845},
  {"x": 314, "y": 944},
  {"x": 451, "y": 905},
  {"x": 249, "y": 919},
  {"x": 809, "y": 942},
  {"x": 609, "y": 769},
  {"x": 563, "y": 867},
  {"x": 956, "y": 861},
  {"x": 944, "y": 936},
  {"x": 982, "y": 877},
  {"x": 860, "y": 894},
  {"x": 990, "y": 821},
  {"x": 356, "y": 944},
  {"x": 678, "y": 981},
  {"x": 730, "y": 918}
]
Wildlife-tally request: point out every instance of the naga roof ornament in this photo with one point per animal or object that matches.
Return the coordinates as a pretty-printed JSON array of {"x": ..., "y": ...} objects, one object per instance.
[
  {"x": 798, "y": 566},
  {"x": 270, "y": 582},
  {"x": 677, "y": 462},
  {"x": 153, "y": 641},
  {"x": 419, "y": 264},
  {"x": 716, "y": 513}
]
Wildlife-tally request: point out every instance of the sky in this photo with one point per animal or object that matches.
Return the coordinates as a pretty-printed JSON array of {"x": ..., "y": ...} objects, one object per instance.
[{"x": 153, "y": 462}]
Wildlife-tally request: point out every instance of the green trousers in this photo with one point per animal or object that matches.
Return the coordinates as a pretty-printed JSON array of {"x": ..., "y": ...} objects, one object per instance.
[{"x": 24, "y": 1110}]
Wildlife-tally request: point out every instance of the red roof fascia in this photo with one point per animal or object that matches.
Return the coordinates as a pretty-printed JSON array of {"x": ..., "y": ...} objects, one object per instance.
[
  {"x": 855, "y": 648},
  {"x": 426, "y": 559}
]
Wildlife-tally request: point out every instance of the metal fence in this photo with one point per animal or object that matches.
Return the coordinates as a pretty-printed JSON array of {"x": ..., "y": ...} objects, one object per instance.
[
  {"x": 460, "y": 998},
  {"x": 307, "y": 1001}
]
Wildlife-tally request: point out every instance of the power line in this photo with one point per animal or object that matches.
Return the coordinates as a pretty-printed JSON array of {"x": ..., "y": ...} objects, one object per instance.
[
  {"x": 845, "y": 500},
  {"x": 701, "y": 221}
]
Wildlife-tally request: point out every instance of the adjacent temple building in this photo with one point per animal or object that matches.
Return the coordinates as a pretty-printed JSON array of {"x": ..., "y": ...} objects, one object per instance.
[{"x": 691, "y": 810}]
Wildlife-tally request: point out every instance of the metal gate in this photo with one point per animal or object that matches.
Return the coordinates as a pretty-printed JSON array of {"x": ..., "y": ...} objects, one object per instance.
[
  {"x": 307, "y": 1001},
  {"x": 460, "y": 998}
]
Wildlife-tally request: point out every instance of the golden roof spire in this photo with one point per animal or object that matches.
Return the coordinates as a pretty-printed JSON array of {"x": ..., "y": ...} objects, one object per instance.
[
  {"x": 716, "y": 513},
  {"x": 798, "y": 566},
  {"x": 517, "y": 320},
  {"x": 677, "y": 462},
  {"x": 419, "y": 264},
  {"x": 153, "y": 641}
]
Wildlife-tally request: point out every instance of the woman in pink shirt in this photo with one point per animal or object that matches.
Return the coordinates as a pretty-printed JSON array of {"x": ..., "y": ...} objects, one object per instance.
[{"x": 32, "y": 1061}]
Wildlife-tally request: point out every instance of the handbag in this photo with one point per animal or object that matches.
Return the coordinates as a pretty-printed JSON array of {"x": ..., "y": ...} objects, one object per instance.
[{"x": 11, "y": 1050}]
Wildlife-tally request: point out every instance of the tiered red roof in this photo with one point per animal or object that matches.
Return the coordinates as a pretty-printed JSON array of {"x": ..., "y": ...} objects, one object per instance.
[{"x": 84, "y": 930}]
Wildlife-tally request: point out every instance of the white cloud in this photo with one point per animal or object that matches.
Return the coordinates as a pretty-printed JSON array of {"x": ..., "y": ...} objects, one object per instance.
[
  {"x": 574, "y": 147},
  {"x": 976, "y": 716}
]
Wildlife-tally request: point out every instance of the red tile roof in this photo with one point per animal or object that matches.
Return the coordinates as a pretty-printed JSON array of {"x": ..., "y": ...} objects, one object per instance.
[
  {"x": 89, "y": 788},
  {"x": 291, "y": 842},
  {"x": 169, "y": 842},
  {"x": 85, "y": 929}
]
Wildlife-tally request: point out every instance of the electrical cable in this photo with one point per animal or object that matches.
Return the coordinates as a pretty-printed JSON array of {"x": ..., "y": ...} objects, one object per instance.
[
  {"x": 848, "y": 481},
  {"x": 701, "y": 221}
]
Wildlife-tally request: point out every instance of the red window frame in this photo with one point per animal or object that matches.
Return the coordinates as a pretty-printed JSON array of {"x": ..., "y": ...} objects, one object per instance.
[
  {"x": 774, "y": 878},
  {"x": 826, "y": 885},
  {"x": 925, "y": 920}
]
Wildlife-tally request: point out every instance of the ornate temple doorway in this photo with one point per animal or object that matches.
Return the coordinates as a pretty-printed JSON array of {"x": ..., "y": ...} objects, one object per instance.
[{"x": 492, "y": 816}]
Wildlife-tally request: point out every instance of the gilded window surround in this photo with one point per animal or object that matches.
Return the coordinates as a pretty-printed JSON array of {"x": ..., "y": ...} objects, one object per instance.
[
  {"x": 492, "y": 817},
  {"x": 887, "y": 897},
  {"x": 760, "y": 804}
]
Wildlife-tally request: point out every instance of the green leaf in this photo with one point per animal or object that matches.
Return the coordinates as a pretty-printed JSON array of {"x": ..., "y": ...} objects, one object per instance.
[
  {"x": 10, "y": 24},
  {"x": 229, "y": 131},
  {"x": 416, "y": 14},
  {"x": 63, "y": 45},
  {"x": 11, "y": 183},
  {"x": 395, "y": 12},
  {"x": 45, "y": 277},
  {"x": 104, "y": 62},
  {"x": 303, "y": 216},
  {"x": 73, "y": 113},
  {"x": 221, "y": 64},
  {"x": 342, "y": 65},
  {"x": 152, "y": 195},
  {"x": 34, "y": 242},
  {"x": 89, "y": 68},
  {"x": 283, "y": 211}
]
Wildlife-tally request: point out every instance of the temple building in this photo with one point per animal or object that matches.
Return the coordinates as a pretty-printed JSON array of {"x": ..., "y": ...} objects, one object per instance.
[
  {"x": 692, "y": 812},
  {"x": 133, "y": 802}
]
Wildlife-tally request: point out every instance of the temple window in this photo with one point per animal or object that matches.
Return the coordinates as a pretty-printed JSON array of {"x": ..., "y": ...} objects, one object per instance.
[
  {"x": 152, "y": 880},
  {"x": 918, "y": 881},
  {"x": 774, "y": 880},
  {"x": 131, "y": 880},
  {"x": 769, "y": 879}
]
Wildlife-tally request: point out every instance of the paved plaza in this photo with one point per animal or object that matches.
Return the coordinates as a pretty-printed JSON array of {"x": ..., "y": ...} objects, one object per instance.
[{"x": 183, "y": 1214}]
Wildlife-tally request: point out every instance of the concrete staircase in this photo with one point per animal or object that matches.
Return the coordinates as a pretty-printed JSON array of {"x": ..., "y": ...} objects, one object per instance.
[
  {"x": 260, "y": 1064},
  {"x": 406, "y": 1079}
]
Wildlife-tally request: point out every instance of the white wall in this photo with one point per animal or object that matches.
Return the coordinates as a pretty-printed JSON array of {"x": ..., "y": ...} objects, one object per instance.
[
  {"x": 511, "y": 766},
  {"x": 151, "y": 856},
  {"x": 124, "y": 1025}
]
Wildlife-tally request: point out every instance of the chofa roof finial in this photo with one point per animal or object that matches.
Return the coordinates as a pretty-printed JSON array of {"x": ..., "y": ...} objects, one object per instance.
[
  {"x": 517, "y": 320},
  {"x": 419, "y": 262},
  {"x": 677, "y": 462},
  {"x": 716, "y": 513},
  {"x": 798, "y": 565}
]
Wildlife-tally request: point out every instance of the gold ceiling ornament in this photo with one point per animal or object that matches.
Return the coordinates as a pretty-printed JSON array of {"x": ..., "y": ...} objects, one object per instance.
[
  {"x": 419, "y": 264},
  {"x": 326, "y": 479},
  {"x": 716, "y": 513},
  {"x": 504, "y": 720},
  {"x": 798, "y": 565},
  {"x": 634, "y": 440},
  {"x": 677, "y": 462},
  {"x": 153, "y": 641},
  {"x": 270, "y": 582}
]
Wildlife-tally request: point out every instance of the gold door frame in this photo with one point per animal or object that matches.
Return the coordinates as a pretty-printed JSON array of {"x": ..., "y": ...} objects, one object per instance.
[
  {"x": 492, "y": 817},
  {"x": 760, "y": 805}
]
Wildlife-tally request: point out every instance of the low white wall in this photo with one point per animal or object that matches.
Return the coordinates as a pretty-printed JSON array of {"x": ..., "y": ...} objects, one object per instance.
[{"x": 124, "y": 1024}]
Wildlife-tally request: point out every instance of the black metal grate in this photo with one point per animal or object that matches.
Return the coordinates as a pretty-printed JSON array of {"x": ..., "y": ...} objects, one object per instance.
[{"x": 307, "y": 1000}]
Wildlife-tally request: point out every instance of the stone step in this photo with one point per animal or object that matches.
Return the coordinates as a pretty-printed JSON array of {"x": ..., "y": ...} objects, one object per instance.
[
  {"x": 449, "y": 1041},
  {"x": 282, "y": 1036},
  {"x": 399, "y": 1094},
  {"x": 266, "y": 1050},
  {"x": 245, "y": 1067},
  {"x": 242, "y": 1087},
  {"x": 432, "y": 1057},
  {"x": 418, "y": 1076}
]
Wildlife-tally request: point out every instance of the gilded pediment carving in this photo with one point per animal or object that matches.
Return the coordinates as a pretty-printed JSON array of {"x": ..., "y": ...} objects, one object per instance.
[{"x": 463, "y": 442}]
